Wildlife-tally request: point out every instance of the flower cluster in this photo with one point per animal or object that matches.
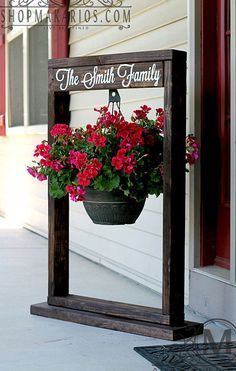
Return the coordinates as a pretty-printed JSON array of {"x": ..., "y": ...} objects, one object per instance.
[
  {"x": 76, "y": 193},
  {"x": 113, "y": 154},
  {"x": 122, "y": 161},
  {"x": 43, "y": 150},
  {"x": 61, "y": 130},
  {"x": 192, "y": 149},
  {"x": 87, "y": 168},
  {"x": 131, "y": 135}
]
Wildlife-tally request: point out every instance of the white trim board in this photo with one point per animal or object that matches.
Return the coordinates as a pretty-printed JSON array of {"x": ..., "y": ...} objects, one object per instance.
[{"x": 214, "y": 299}]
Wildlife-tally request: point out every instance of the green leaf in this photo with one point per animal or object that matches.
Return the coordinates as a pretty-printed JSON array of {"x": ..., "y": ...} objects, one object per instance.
[
  {"x": 107, "y": 171},
  {"x": 103, "y": 183},
  {"x": 126, "y": 192},
  {"x": 64, "y": 177},
  {"x": 56, "y": 188},
  {"x": 154, "y": 190}
]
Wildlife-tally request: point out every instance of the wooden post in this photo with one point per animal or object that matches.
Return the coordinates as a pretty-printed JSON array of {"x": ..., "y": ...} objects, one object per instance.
[
  {"x": 58, "y": 209},
  {"x": 174, "y": 189}
]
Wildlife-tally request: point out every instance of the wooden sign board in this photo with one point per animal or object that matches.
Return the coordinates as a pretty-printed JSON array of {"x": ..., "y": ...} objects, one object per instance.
[
  {"x": 116, "y": 76},
  {"x": 155, "y": 69},
  {"x": 116, "y": 71}
]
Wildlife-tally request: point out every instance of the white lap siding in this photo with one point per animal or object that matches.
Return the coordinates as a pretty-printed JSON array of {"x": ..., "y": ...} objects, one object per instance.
[{"x": 136, "y": 250}]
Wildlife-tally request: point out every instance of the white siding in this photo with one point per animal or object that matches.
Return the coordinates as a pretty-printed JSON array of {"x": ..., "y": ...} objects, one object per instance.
[
  {"x": 22, "y": 198},
  {"x": 136, "y": 250}
]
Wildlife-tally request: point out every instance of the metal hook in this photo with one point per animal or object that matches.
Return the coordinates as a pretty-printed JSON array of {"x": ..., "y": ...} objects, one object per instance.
[{"x": 114, "y": 98}]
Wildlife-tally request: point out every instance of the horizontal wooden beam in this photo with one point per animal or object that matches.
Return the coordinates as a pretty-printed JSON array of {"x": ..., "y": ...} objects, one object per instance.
[
  {"x": 151, "y": 56},
  {"x": 119, "y": 324},
  {"x": 112, "y": 308}
]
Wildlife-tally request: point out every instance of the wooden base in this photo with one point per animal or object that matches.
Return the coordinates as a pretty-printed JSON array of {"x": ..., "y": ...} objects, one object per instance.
[
  {"x": 119, "y": 324},
  {"x": 111, "y": 308}
]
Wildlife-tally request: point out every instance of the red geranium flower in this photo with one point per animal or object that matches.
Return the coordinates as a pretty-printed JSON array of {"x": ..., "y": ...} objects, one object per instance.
[
  {"x": 97, "y": 165},
  {"x": 78, "y": 159},
  {"x": 97, "y": 139},
  {"x": 60, "y": 129},
  {"x": 42, "y": 150},
  {"x": 76, "y": 193},
  {"x": 142, "y": 113},
  {"x": 83, "y": 179},
  {"x": 121, "y": 161}
]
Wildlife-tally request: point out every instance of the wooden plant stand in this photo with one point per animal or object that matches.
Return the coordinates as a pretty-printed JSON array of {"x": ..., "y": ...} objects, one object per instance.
[{"x": 166, "y": 69}]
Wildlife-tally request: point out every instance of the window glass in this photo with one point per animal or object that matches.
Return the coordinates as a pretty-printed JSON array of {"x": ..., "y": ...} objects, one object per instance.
[
  {"x": 38, "y": 74},
  {"x": 16, "y": 81}
]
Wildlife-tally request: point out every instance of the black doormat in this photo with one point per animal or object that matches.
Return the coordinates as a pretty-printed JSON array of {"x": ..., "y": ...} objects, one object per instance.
[{"x": 208, "y": 356}]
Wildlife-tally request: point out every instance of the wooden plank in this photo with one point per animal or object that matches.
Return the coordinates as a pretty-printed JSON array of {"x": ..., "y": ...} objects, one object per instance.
[
  {"x": 188, "y": 329},
  {"x": 58, "y": 209},
  {"x": 111, "y": 76},
  {"x": 58, "y": 239},
  {"x": 111, "y": 308},
  {"x": 150, "y": 56},
  {"x": 174, "y": 188}
]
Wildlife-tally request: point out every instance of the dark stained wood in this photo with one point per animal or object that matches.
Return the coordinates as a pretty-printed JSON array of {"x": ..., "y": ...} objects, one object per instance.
[
  {"x": 58, "y": 265},
  {"x": 77, "y": 78},
  {"x": 58, "y": 209},
  {"x": 112, "y": 308},
  {"x": 210, "y": 146},
  {"x": 150, "y": 56},
  {"x": 174, "y": 188},
  {"x": 119, "y": 324},
  {"x": 223, "y": 108},
  {"x": 215, "y": 133}
]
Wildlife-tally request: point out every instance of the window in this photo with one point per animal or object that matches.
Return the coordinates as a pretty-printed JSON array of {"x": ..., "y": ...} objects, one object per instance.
[
  {"x": 16, "y": 81},
  {"x": 38, "y": 75},
  {"x": 28, "y": 76}
]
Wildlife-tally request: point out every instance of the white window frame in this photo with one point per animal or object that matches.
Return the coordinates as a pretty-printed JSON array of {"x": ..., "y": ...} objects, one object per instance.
[{"x": 26, "y": 128}]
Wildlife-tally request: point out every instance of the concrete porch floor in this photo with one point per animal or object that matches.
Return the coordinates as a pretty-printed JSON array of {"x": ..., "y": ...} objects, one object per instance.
[{"x": 32, "y": 343}]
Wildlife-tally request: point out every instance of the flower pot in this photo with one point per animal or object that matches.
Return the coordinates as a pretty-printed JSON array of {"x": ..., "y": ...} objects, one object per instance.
[{"x": 111, "y": 208}]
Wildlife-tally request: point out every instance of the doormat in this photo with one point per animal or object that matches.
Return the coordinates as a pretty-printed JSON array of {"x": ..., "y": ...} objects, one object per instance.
[{"x": 207, "y": 356}]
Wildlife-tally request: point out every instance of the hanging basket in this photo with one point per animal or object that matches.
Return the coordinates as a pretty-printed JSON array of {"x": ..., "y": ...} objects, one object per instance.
[{"x": 111, "y": 208}]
